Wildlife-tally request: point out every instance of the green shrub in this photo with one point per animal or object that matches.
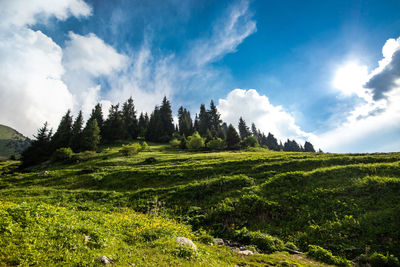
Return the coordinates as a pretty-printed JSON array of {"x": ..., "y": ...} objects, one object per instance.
[
  {"x": 326, "y": 256},
  {"x": 63, "y": 154},
  {"x": 250, "y": 141},
  {"x": 83, "y": 156},
  {"x": 129, "y": 150},
  {"x": 216, "y": 144},
  {"x": 195, "y": 141},
  {"x": 377, "y": 259},
  {"x": 144, "y": 146},
  {"x": 175, "y": 143},
  {"x": 264, "y": 242}
]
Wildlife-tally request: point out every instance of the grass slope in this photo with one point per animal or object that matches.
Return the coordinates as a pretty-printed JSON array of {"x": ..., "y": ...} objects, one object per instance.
[
  {"x": 11, "y": 142},
  {"x": 347, "y": 204}
]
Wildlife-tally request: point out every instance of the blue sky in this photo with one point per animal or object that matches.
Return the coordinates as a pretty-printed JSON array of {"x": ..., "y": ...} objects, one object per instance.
[{"x": 307, "y": 61}]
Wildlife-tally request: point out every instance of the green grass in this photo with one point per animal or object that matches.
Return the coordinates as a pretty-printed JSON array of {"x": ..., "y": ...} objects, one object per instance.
[{"x": 344, "y": 203}]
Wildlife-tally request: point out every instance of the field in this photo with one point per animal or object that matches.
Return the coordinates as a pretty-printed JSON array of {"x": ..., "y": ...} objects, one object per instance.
[{"x": 133, "y": 207}]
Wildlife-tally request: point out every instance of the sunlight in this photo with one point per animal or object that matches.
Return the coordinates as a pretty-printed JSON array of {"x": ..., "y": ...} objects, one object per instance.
[{"x": 349, "y": 79}]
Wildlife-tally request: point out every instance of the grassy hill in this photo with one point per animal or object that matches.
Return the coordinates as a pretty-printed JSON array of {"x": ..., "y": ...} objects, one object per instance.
[
  {"x": 335, "y": 207},
  {"x": 11, "y": 142}
]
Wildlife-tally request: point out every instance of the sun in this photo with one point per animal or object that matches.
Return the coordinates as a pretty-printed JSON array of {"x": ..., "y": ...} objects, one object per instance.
[{"x": 350, "y": 78}]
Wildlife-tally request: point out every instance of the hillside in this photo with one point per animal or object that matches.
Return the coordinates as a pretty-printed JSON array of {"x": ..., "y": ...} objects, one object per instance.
[
  {"x": 268, "y": 201},
  {"x": 11, "y": 142}
]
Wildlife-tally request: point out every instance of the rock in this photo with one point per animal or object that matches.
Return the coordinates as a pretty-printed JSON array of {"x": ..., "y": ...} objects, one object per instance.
[
  {"x": 246, "y": 252},
  {"x": 183, "y": 241},
  {"x": 219, "y": 241},
  {"x": 242, "y": 248},
  {"x": 104, "y": 260},
  {"x": 44, "y": 173},
  {"x": 292, "y": 251},
  {"x": 86, "y": 238}
]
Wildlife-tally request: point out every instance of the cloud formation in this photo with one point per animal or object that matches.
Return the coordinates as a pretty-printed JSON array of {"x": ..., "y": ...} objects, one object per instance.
[
  {"x": 255, "y": 108},
  {"x": 31, "y": 88},
  {"x": 230, "y": 31},
  {"x": 387, "y": 76}
]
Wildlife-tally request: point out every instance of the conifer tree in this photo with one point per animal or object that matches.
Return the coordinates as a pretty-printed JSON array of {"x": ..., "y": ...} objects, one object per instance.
[
  {"x": 167, "y": 125},
  {"x": 39, "y": 149},
  {"x": 154, "y": 129},
  {"x": 76, "y": 136},
  {"x": 130, "y": 120},
  {"x": 97, "y": 113},
  {"x": 90, "y": 135},
  {"x": 204, "y": 120},
  {"x": 272, "y": 142},
  {"x": 185, "y": 122},
  {"x": 232, "y": 138},
  {"x": 196, "y": 124},
  {"x": 113, "y": 128},
  {"x": 214, "y": 118},
  {"x": 308, "y": 147},
  {"x": 243, "y": 129},
  {"x": 143, "y": 124},
  {"x": 62, "y": 136}
]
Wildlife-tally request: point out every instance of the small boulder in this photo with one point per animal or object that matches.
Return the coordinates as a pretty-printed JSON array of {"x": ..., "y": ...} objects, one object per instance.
[
  {"x": 104, "y": 260},
  {"x": 219, "y": 241},
  {"x": 183, "y": 241},
  {"x": 244, "y": 252},
  {"x": 43, "y": 173}
]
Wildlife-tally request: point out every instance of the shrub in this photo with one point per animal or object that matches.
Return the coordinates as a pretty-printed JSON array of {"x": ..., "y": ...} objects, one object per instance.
[
  {"x": 250, "y": 141},
  {"x": 84, "y": 156},
  {"x": 195, "y": 141},
  {"x": 264, "y": 242},
  {"x": 63, "y": 154},
  {"x": 326, "y": 256},
  {"x": 216, "y": 144},
  {"x": 150, "y": 160},
  {"x": 129, "y": 150},
  {"x": 144, "y": 146},
  {"x": 175, "y": 143}
]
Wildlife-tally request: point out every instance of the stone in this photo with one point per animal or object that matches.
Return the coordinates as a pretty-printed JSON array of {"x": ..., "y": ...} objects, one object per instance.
[
  {"x": 244, "y": 252},
  {"x": 104, "y": 260},
  {"x": 219, "y": 241},
  {"x": 44, "y": 173},
  {"x": 183, "y": 241}
]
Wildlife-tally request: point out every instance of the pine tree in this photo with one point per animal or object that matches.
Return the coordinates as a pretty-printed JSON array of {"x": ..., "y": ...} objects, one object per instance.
[
  {"x": 167, "y": 126},
  {"x": 130, "y": 120},
  {"x": 272, "y": 142},
  {"x": 204, "y": 120},
  {"x": 232, "y": 138},
  {"x": 243, "y": 129},
  {"x": 62, "y": 136},
  {"x": 308, "y": 147},
  {"x": 97, "y": 113},
  {"x": 154, "y": 129},
  {"x": 76, "y": 137},
  {"x": 214, "y": 118},
  {"x": 39, "y": 149},
  {"x": 196, "y": 124},
  {"x": 90, "y": 135},
  {"x": 143, "y": 124},
  {"x": 254, "y": 131},
  {"x": 113, "y": 128},
  {"x": 185, "y": 122}
]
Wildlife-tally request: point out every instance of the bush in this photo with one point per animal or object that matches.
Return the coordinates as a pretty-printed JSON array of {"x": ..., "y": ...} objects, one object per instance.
[
  {"x": 264, "y": 242},
  {"x": 63, "y": 154},
  {"x": 250, "y": 141},
  {"x": 195, "y": 141},
  {"x": 175, "y": 143},
  {"x": 377, "y": 259},
  {"x": 84, "y": 156},
  {"x": 129, "y": 150},
  {"x": 216, "y": 144},
  {"x": 326, "y": 256},
  {"x": 144, "y": 146}
]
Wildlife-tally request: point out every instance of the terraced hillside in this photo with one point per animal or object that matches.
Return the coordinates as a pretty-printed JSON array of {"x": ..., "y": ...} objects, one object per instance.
[{"x": 348, "y": 204}]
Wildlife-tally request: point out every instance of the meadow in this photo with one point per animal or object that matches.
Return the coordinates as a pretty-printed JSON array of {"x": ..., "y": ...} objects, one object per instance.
[{"x": 340, "y": 209}]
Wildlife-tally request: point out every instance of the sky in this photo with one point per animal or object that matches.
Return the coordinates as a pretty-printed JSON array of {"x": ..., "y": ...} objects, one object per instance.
[{"x": 327, "y": 72}]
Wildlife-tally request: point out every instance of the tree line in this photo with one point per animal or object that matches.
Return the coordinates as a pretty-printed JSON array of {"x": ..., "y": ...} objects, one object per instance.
[{"x": 122, "y": 123}]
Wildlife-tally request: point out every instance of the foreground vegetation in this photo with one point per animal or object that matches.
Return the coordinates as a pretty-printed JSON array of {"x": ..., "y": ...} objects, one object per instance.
[{"x": 336, "y": 208}]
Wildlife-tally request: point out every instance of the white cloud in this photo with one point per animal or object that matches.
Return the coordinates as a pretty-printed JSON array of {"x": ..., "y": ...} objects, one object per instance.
[
  {"x": 374, "y": 125},
  {"x": 21, "y": 13},
  {"x": 31, "y": 88},
  {"x": 255, "y": 108},
  {"x": 227, "y": 34},
  {"x": 85, "y": 59}
]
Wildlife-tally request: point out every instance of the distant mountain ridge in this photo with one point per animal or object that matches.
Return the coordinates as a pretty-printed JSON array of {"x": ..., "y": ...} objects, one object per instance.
[{"x": 11, "y": 142}]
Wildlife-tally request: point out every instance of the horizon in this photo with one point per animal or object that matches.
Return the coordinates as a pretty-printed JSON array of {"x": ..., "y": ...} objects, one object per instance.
[{"x": 326, "y": 72}]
